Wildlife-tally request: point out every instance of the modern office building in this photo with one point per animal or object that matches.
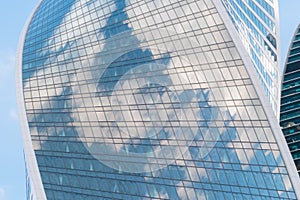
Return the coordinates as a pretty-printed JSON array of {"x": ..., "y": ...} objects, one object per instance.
[
  {"x": 290, "y": 99},
  {"x": 257, "y": 25},
  {"x": 134, "y": 99}
]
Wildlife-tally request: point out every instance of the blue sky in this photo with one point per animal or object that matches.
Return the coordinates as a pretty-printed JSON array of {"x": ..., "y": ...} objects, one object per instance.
[
  {"x": 289, "y": 20},
  {"x": 13, "y": 15}
]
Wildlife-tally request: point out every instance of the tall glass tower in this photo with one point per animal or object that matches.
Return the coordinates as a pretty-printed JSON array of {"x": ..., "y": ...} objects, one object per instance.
[
  {"x": 134, "y": 99},
  {"x": 257, "y": 24},
  {"x": 290, "y": 99}
]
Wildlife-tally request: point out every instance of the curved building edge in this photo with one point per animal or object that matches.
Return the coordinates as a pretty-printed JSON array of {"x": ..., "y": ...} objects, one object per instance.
[
  {"x": 37, "y": 191},
  {"x": 285, "y": 67},
  {"x": 288, "y": 54},
  {"x": 31, "y": 162},
  {"x": 273, "y": 120}
]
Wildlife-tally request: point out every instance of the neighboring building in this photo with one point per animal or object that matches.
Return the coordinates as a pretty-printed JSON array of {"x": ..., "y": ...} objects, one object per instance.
[
  {"x": 257, "y": 25},
  {"x": 145, "y": 100},
  {"x": 290, "y": 99}
]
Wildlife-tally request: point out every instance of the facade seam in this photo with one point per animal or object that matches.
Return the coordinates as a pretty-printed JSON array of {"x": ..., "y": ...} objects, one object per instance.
[
  {"x": 37, "y": 189},
  {"x": 272, "y": 119}
]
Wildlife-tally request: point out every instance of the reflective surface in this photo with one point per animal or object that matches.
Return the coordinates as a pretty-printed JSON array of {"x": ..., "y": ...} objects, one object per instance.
[
  {"x": 145, "y": 100},
  {"x": 289, "y": 111},
  {"x": 256, "y": 21}
]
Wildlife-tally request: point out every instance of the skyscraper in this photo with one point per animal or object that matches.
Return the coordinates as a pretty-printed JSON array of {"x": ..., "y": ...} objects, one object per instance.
[
  {"x": 257, "y": 24},
  {"x": 289, "y": 112},
  {"x": 145, "y": 100}
]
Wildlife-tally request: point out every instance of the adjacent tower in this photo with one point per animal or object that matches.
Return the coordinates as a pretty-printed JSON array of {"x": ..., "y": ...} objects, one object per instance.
[
  {"x": 290, "y": 99},
  {"x": 257, "y": 24},
  {"x": 130, "y": 99}
]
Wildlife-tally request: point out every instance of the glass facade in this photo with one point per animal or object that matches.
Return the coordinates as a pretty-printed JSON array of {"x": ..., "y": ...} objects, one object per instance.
[
  {"x": 134, "y": 99},
  {"x": 290, "y": 99},
  {"x": 256, "y": 22}
]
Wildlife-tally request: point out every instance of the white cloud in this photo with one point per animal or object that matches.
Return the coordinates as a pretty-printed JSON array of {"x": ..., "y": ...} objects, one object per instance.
[
  {"x": 7, "y": 60},
  {"x": 13, "y": 114},
  {"x": 2, "y": 193},
  {"x": 7, "y": 64}
]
